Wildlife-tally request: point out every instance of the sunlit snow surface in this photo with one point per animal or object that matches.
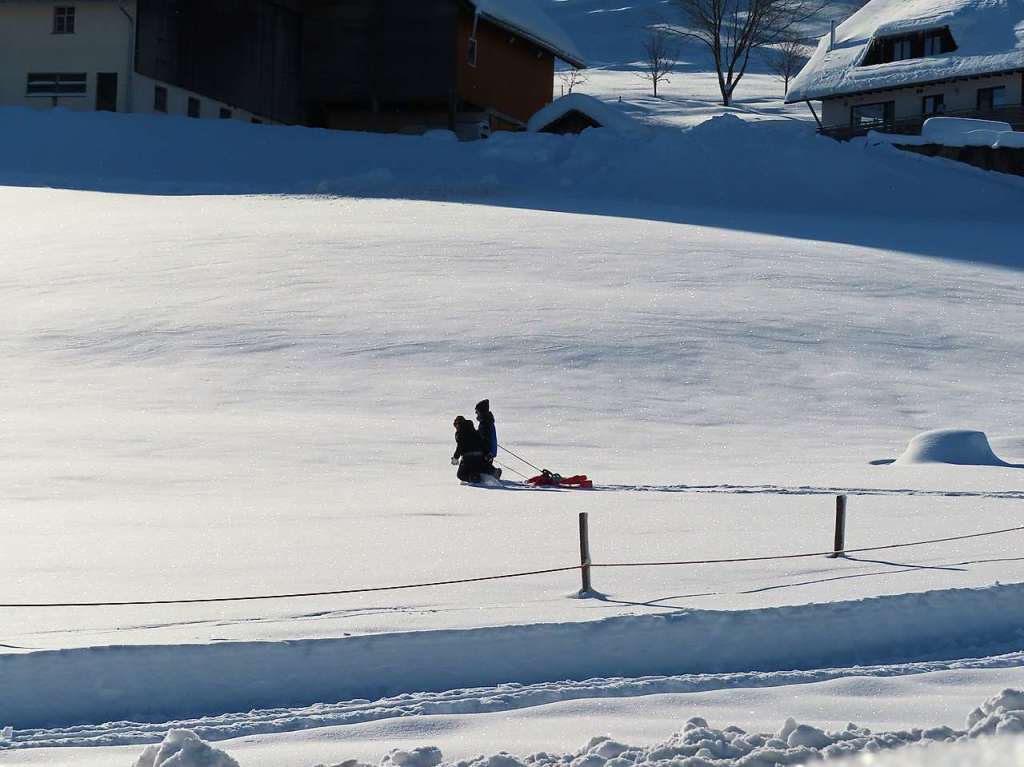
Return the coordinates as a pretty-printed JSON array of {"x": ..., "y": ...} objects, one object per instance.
[{"x": 235, "y": 395}]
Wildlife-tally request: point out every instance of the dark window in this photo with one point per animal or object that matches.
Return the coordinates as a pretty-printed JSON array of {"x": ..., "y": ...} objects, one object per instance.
[
  {"x": 193, "y": 106},
  {"x": 913, "y": 46},
  {"x": 160, "y": 99},
  {"x": 991, "y": 98},
  {"x": 901, "y": 50},
  {"x": 225, "y": 113},
  {"x": 64, "y": 20},
  {"x": 56, "y": 84},
  {"x": 471, "y": 52},
  {"x": 934, "y": 105},
  {"x": 872, "y": 115}
]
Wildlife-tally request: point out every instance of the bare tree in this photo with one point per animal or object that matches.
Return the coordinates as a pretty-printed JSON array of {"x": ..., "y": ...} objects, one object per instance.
[
  {"x": 786, "y": 58},
  {"x": 660, "y": 58},
  {"x": 733, "y": 29},
  {"x": 572, "y": 78}
]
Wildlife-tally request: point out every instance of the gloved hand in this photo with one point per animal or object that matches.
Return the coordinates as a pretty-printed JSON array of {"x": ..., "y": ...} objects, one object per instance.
[{"x": 455, "y": 461}]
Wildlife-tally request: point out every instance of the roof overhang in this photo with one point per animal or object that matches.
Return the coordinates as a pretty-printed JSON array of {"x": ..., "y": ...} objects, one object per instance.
[
  {"x": 562, "y": 49},
  {"x": 908, "y": 86}
]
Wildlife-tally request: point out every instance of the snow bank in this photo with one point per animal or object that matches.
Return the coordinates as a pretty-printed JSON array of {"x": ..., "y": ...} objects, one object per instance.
[
  {"x": 697, "y": 744},
  {"x": 986, "y": 752},
  {"x": 183, "y": 748},
  {"x": 721, "y": 163},
  {"x": 54, "y": 689},
  {"x": 956, "y": 446}
]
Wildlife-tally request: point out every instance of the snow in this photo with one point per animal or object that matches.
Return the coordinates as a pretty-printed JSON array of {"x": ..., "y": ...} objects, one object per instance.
[
  {"x": 955, "y": 446},
  {"x": 950, "y": 130},
  {"x": 989, "y": 37},
  {"x": 46, "y": 689},
  {"x": 182, "y": 748},
  {"x": 1012, "y": 140},
  {"x": 606, "y": 115},
  {"x": 696, "y": 744},
  {"x": 956, "y": 132},
  {"x": 231, "y": 364},
  {"x": 530, "y": 20}
]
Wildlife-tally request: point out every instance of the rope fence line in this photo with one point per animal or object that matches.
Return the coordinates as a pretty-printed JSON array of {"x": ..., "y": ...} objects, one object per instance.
[
  {"x": 584, "y": 567},
  {"x": 810, "y": 554},
  {"x": 214, "y": 600}
]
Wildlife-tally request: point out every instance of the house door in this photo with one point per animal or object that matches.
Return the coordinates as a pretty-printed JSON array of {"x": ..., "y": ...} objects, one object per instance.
[{"x": 106, "y": 92}]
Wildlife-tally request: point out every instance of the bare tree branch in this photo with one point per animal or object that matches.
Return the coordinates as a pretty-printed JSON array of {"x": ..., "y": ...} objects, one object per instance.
[
  {"x": 571, "y": 79},
  {"x": 786, "y": 58},
  {"x": 732, "y": 29},
  {"x": 660, "y": 58}
]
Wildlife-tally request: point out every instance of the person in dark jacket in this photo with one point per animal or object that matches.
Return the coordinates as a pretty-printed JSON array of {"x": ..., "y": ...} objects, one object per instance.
[
  {"x": 469, "y": 451},
  {"x": 488, "y": 435}
]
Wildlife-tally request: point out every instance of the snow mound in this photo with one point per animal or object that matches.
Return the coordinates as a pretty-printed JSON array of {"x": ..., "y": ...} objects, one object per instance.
[
  {"x": 601, "y": 112},
  {"x": 957, "y": 446},
  {"x": 987, "y": 752},
  {"x": 955, "y": 131},
  {"x": 698, "y": 744},
  {"x": 183, "y": 748}
]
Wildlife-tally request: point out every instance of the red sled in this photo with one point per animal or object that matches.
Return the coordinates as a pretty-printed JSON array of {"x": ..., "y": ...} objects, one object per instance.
[{"x": 550, "y": 479}]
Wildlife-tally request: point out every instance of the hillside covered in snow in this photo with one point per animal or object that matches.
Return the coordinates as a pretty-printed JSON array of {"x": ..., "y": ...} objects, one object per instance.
[{"x": 232, "y": 357}]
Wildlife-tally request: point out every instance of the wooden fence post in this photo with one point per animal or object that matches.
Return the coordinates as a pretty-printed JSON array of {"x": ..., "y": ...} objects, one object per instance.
[
  {"x": 840, "y": 541},
  {"x": 585, "y": 554}
]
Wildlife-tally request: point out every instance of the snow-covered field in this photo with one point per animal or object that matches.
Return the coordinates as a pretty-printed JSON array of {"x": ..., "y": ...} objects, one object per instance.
[{"x": 227, "y": 377}]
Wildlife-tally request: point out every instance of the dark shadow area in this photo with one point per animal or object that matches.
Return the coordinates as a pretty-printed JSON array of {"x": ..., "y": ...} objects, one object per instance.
[{"x": 764, "y": 178}]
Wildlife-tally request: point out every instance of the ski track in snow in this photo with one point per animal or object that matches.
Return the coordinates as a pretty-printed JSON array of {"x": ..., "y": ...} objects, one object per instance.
[
  {"x": 1010, "y": 495},
  {"x": 478, "y": 700}
]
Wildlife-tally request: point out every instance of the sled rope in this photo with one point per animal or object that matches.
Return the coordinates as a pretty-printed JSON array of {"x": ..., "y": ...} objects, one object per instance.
[
  {"x": 429, "y": 584},
  {"x": 506, "y": 466},
  {"x": 520, "y": 458}
]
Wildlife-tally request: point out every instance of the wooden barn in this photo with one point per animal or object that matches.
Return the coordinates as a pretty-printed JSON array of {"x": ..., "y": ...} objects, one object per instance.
[{"x": 473, "y": 66}]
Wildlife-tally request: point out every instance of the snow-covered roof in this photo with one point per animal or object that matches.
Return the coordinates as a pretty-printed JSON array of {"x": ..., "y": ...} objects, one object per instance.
[
  {"x": 526, "y": 18},
  {"x": 605, "y": 115},
  {"x": 989, "y": 35}
]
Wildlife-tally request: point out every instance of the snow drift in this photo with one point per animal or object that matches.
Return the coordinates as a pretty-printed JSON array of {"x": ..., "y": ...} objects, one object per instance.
[
  {"x": 698, "y": 744},
  {"x": 956, "y": 446},
  {"x": 721, "y": 163},
  {"x": 161, "y": 683},
  {"x": 182, "y": 748}
]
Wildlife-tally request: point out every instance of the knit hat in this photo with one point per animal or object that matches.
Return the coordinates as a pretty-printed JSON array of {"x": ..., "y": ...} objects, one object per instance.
[{"x": 483, "y": 406}]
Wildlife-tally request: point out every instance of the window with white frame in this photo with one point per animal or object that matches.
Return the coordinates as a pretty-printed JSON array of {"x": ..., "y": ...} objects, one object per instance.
[
  {"x": 56, "y": 84},
  {"x": 64, "y": 20}
]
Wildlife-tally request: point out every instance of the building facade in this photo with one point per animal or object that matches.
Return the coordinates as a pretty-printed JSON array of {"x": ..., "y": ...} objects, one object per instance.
[
  {"x": 82, "y": 56},
  {"x": 382, "y": 65},
  {"x": 895, "y": 63}
]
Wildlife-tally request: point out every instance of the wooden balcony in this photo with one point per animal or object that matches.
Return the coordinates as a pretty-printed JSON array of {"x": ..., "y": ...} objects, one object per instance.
[{"x": 1013, "y": 114}]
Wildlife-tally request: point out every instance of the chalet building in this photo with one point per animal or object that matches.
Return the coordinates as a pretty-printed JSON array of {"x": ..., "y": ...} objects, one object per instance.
[
  {"x": 895, "y": 63},
  {"x": 473, "y": 66}
]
